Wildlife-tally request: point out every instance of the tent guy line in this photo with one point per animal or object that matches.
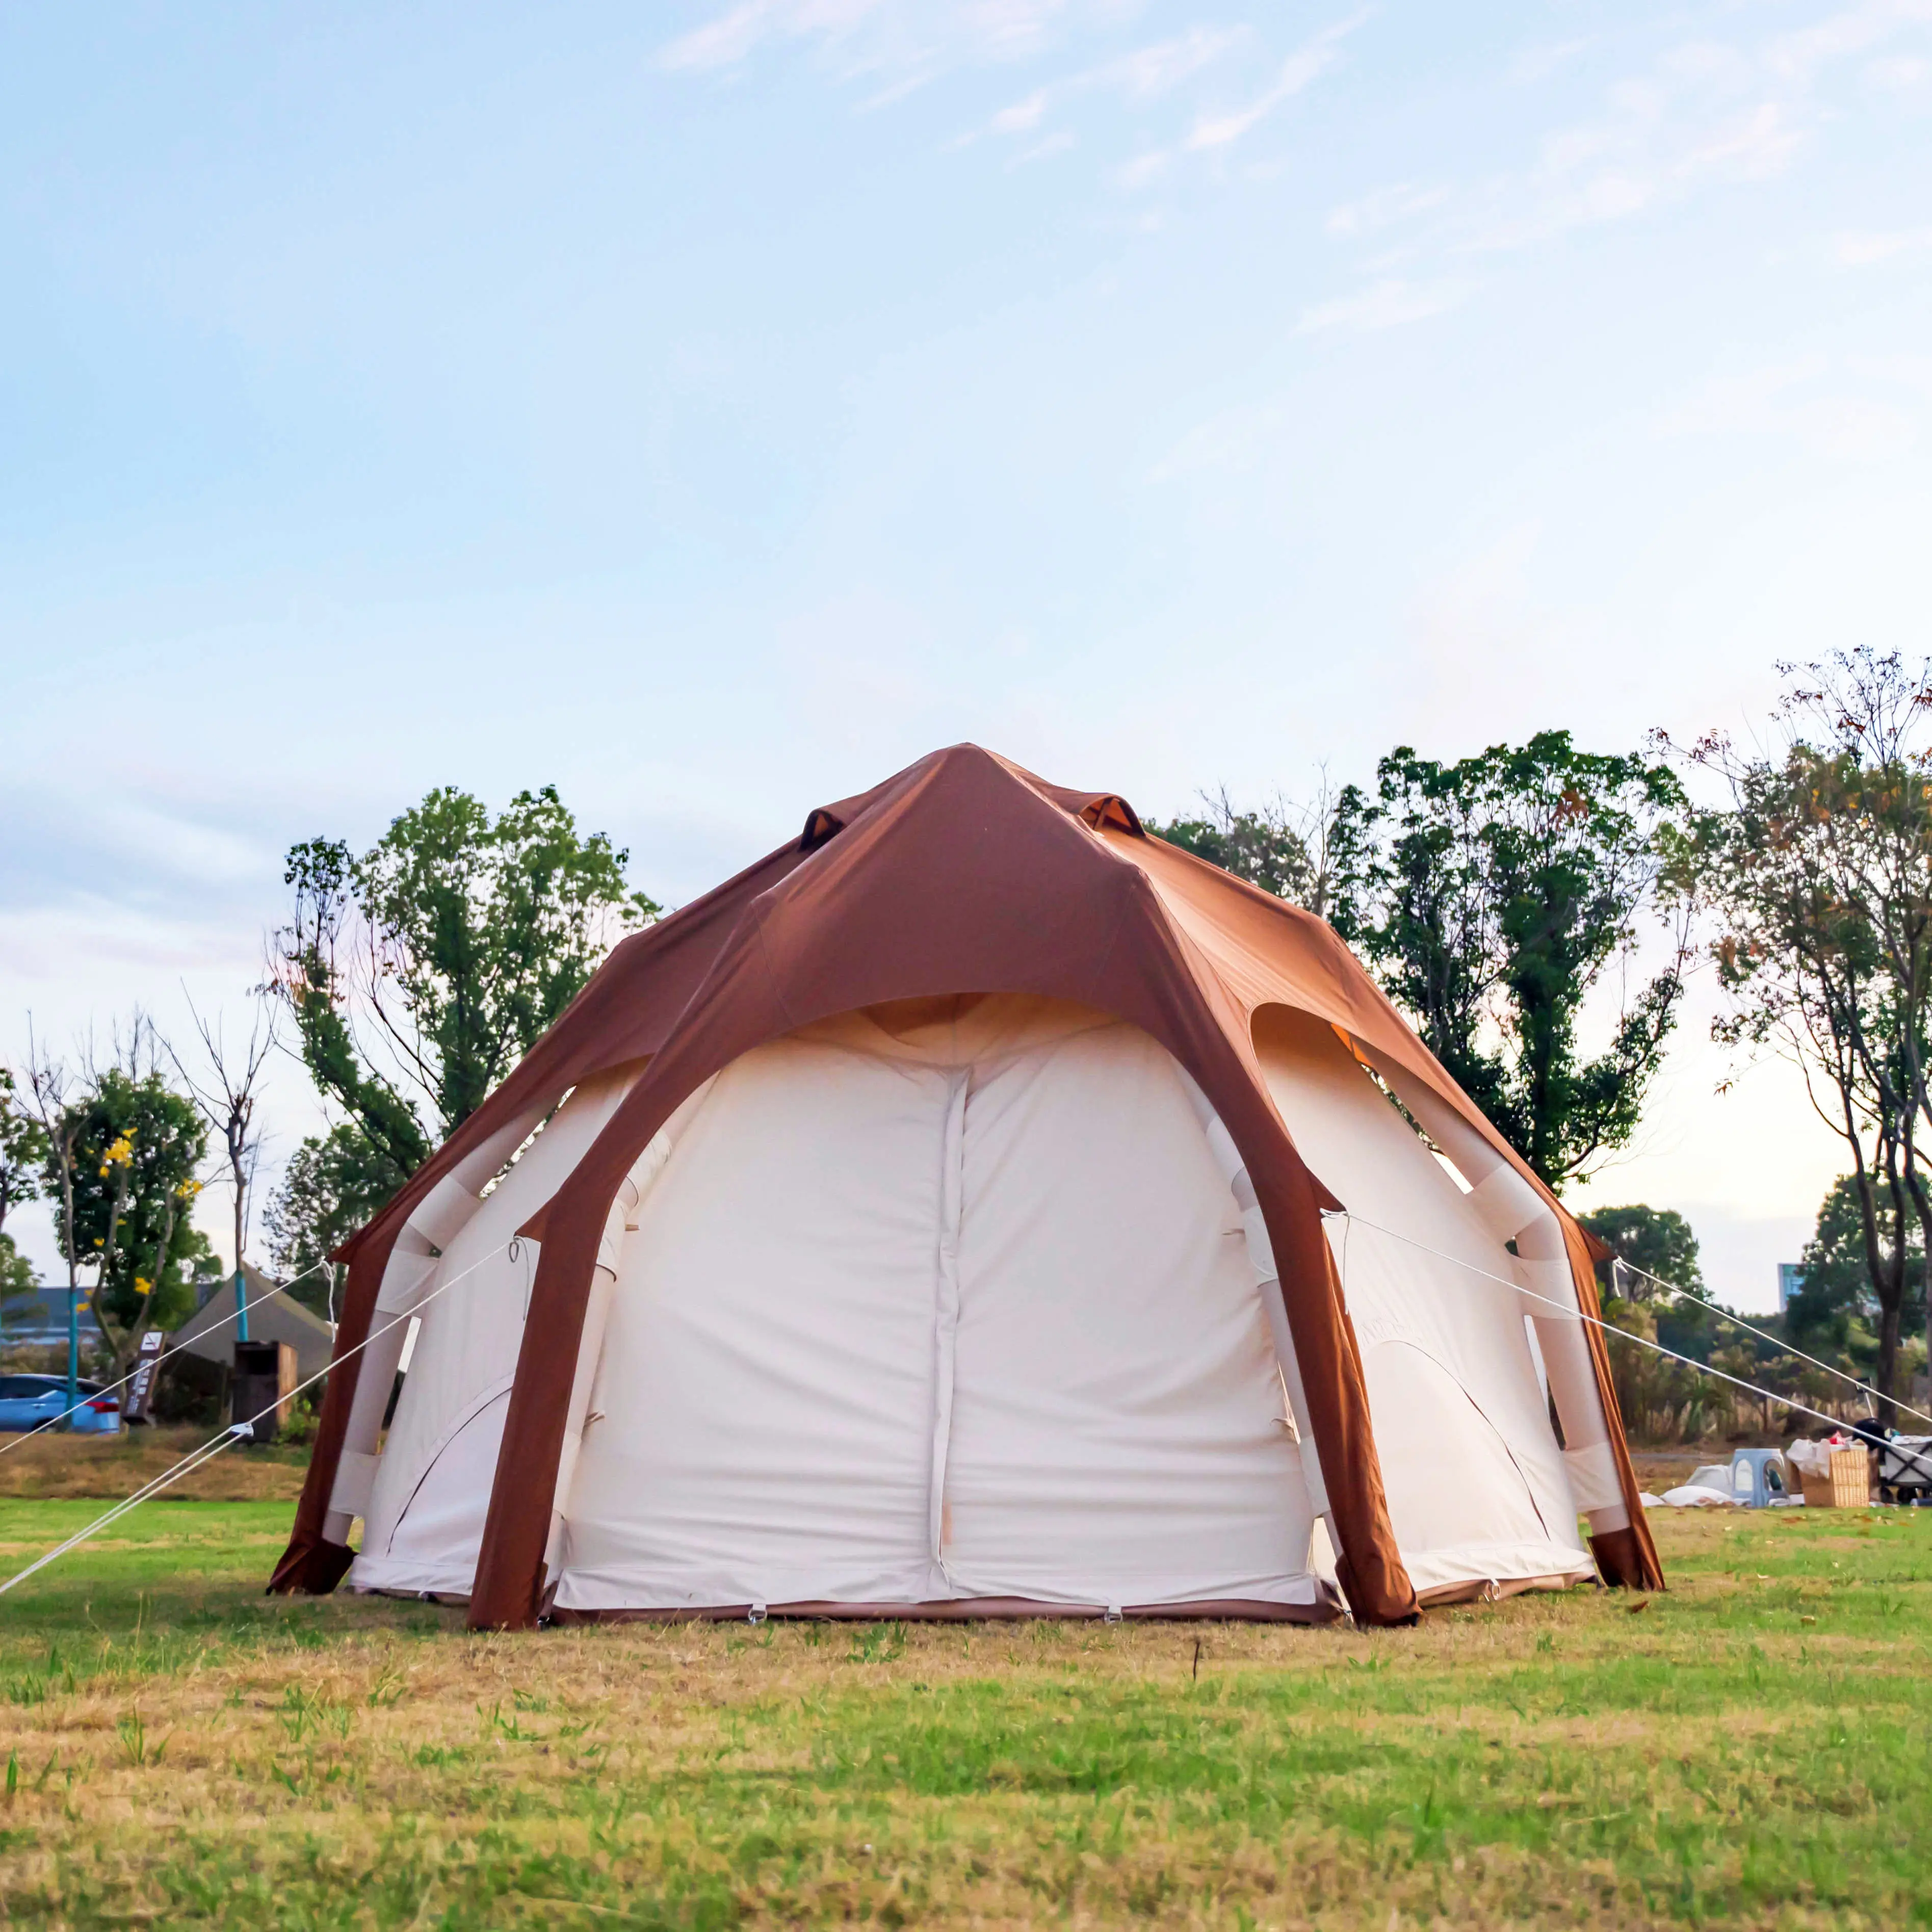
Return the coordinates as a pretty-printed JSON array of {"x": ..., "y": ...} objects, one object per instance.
[
  {"x": 197, "y": 1458},
  {"x": 1577, "y": 1314},
  {"x": 235, "y": 1433},
  {"x": 1738, "y": 1322},
  {"x": 213, "y": 1327}
]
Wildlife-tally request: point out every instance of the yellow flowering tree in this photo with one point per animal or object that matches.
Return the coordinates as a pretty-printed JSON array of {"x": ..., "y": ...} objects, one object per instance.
[{"x": 138, "y": 1144}]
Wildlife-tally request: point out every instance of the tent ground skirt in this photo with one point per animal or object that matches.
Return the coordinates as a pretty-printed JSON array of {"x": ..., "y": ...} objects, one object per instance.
[{"x": 970, "y": 1609}]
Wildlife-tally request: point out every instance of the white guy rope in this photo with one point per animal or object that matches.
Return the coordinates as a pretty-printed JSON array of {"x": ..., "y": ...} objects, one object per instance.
[
  {"x": 234, "y": 1314},
  {"x": 1577, "y": 1314},
  {"x": 236, "y": 1432},
  {"x": 1764, "y": 1335}
]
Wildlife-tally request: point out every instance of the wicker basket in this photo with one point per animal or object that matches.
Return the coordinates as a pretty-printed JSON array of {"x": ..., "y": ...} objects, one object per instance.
[{"x": 1848, "y": 1485}]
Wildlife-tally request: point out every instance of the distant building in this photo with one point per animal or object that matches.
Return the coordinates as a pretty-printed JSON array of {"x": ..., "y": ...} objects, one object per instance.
[
  {"x": 38, "y": 1318},
  {"x": 1790, "y": 1280}
]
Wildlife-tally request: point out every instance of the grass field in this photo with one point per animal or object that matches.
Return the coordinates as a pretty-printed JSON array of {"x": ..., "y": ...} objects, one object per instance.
[{"x": 1753, "y": 1747}]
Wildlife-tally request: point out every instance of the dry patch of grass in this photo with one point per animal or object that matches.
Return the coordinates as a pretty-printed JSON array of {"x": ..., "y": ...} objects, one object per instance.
[
  {"x": 55, "y": 1464},
  {"x": 1754, "y": 1750}
]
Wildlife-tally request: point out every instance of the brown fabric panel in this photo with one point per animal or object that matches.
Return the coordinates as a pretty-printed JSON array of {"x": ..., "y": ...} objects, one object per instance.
[
  {"x": 973, "y": 1609},
  {"x": 1270, "y": 951},
  {"x": 1637, "y": 1564},
  {"x": 958, "y": 877},
  {"x": 628, "y": 1009},
  {"x": 311, "y": 1563},
  {"x": 1095, "y": 808},
  {"x": 626, "y": 1012},
  {"x": 1623, "y": 1561}
]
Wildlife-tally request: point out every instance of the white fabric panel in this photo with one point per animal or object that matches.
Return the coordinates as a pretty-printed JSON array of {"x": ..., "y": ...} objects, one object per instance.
[
  {"x": 948, "y": 1301},
  {"x": 423, "y": 1535},
  {"x": 354, "y": 1483},
  {"x": 766, "y": 1384},
  {"x": 1512, "y": 1208},
  {"x": 1593, "y": 1476},
  {"x": 618, "y": 1224},
  {"x": 1233, "y": 1170},
  {"x": 1117, "y": 1434},
  {"x": 1476, "y": 1482}
]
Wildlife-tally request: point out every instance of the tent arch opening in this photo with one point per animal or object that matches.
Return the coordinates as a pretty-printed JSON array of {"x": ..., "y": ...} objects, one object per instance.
[{"x": 944, "y": 1300}]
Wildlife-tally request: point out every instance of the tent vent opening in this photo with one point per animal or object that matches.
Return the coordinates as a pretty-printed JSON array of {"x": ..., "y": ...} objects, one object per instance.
[
  {"x": 819, "y": 828},
  {"x": 1110, "y": 811}
]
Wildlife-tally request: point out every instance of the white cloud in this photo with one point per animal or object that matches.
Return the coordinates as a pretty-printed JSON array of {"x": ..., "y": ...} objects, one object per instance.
[
  {"x": 1301, "y": 68},
  {"x": 1144, "y": 170},
  {"x": 1162, "y": 65},
  {"x": 1387, "y": 303},
  {"x": 1855, "y": 411},
  {"x": 734, "y": 36},
  {"x": 1384, "y": 207},
  {"x": 1058, "y": 142},
  {"x": 1144, "y": 74},
  {"x": 1704, "y": 113},
  {"x": 1799, "y": 56},
  {"x": 1023, "y": 116},
  {"x": 912, "y": 39},
  {"x": 1534, "y": 63},
  {"x": 1858, "y": 248},
  {"x": 1900, "y": 72}
]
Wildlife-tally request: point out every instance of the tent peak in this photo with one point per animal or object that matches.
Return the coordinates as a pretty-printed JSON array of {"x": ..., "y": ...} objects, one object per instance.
[{"x": 1095, "y": 809}]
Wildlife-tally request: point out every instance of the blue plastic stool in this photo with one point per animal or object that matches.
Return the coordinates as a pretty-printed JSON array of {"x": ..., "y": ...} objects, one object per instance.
[{"x": 1757, "y": 1477}]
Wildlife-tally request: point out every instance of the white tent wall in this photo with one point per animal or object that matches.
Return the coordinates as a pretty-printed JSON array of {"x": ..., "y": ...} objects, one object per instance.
[
  {"x": 946, "y": 1301},
  {"x": 1477, "y": 1488},
  {"x": 431, "y": 1489},
  {"x": 956, "y": 1300},
  {"x": 1513, "y": 1210}
]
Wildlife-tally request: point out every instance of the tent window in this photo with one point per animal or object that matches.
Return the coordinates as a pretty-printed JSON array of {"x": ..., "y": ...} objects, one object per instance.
[{"x": 1463, "y": 1182}]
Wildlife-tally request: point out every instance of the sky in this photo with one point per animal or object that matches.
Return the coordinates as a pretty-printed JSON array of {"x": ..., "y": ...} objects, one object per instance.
[{"x": 710, "y": 408}]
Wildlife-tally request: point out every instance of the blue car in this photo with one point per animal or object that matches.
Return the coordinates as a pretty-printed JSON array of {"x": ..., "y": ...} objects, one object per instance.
[{"x": 27, "y": 1401}]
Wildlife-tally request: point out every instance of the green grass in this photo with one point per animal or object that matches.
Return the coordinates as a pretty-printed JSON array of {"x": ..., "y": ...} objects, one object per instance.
[{"x": 1754, "y": 1748}]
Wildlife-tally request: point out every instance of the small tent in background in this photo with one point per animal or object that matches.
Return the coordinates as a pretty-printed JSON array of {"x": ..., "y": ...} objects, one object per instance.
[
  {"x": 938, "y": 1219},
  {"x": 210, "y": 1331}
]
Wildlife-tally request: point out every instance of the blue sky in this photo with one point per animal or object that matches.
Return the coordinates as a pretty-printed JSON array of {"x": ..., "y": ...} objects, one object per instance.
[{"x": 709, "y": 408}]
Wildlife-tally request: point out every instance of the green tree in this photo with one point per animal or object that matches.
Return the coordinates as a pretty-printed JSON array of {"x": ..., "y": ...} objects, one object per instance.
[
  {"x": 23, "y": 1151},
  {"x": 1836, "y": 1309},
  {"x": 1282, "y": 849},
  {"x": 23, "y": 1161},
  {"x": 1820, "y": 870},
  {"x": 1491, "y": 895},
  {"x": 420, "y": 972},
  {"x": 1658, "y": 1241},
  {"x": 137, "y": 1147},
  {"x": 49, "y": 1090},
  {"x": 333, "y": 1184},
  {"x": 17, "y": 1282}
]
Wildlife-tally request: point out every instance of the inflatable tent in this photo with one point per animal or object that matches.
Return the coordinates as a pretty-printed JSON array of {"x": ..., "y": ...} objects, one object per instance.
[{"x": 978, "y": 1206}]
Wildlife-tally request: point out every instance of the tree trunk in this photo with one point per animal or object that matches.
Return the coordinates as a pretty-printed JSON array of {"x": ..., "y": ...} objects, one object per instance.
[
  {"x": 1926, "y": 1276},
  {"x": 1888, "y": 1365},
  {"x": 130, "y": 1340},
  {"x": 66, "y": 1151},
  {"x": 237, "y": 1149}
]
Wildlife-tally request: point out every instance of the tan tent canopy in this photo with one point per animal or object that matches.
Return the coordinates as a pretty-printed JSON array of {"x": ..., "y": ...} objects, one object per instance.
[
  {"x": 209, "y": 1332},
  {"x": 931, "y": 1220}
]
